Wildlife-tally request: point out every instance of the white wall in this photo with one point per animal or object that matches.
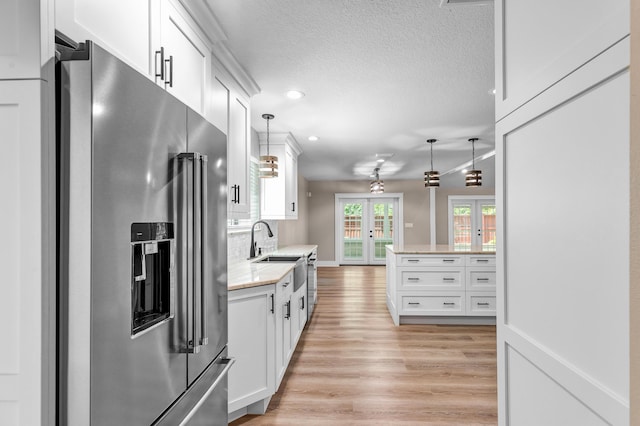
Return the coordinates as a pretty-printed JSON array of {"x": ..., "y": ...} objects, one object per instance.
[{"x": 562, "y": 186}]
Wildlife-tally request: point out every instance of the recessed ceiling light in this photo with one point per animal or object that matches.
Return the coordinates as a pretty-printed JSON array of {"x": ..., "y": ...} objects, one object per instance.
[
  {"x": 380, "y": 160},
  {"x": 295, "y": 94},
  {"x": 313, "y": 138},
  {"x": 464, "y": 171}
]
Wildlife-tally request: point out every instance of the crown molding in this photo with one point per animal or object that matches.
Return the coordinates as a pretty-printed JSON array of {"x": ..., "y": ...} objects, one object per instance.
[{"x": 207, "y": 22}]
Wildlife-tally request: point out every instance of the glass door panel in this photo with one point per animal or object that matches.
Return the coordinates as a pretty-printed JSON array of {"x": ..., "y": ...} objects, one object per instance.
[
  {"x": 488, "y": 226},
  {"x": 462, "y": 225},
  {"x": 381, "y": 230},
  {"x": 353, "y": 231}
]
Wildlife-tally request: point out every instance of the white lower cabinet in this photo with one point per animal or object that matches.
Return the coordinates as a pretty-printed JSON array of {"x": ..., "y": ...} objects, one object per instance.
[
  {"x": 284, "y": 342},
  {"x": 265, "y": 324},
  {"x": 252, "y": 326},
  {"x": 299, "y": 312},
  {"x": 455, "y": 287}
]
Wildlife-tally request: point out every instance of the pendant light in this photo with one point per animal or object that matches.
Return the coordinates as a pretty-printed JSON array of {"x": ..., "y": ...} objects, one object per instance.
[
  {"x": 473, "y": 177},
  {"x": 268, "y": 163},
  {"x": 431, "y": 178},
  {"x": 377, "y": 186}
]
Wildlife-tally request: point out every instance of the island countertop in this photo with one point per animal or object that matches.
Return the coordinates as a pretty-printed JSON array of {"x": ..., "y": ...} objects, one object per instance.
[
  {"x": 248, "y": 273},
  {"x": 436, "y": 249}
]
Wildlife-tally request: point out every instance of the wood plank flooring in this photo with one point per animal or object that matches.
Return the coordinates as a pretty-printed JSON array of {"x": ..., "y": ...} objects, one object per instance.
[{"x": 353, "y": 366}]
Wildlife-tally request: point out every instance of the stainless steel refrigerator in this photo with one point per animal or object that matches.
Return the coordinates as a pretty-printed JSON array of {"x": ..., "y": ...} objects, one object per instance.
[{"x": 142, "y": 291}]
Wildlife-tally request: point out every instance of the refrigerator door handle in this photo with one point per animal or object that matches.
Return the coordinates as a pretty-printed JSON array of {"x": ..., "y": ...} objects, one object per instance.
[
  {"x": 223, "y": 373},
  {"x": 204, "y": 233},
  {"x": 194, "y": 230}
]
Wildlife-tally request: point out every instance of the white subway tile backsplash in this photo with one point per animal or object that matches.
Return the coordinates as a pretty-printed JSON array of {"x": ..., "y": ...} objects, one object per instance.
[{"x": 239, "y": 242}]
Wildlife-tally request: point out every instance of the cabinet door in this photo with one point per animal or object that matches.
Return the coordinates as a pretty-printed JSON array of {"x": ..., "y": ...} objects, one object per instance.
[
  {"x": 122, "y": 27},
  {"x": 23, "y": 272},
  {"x": 283, "y": 327},
  {"x": 25, "y": 39},
  {"x": 251, "y": 343},
  {"x": 239, "y": 145},
  {"x": 291, "y": 184},
  {"x": 187, "y": 58},
  {"x": 219, "y": 111},
  {"x": 302, "y": 310}
]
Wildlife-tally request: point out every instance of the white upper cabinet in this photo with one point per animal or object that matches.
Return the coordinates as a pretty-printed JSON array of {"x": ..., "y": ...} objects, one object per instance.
[
  {"x": 26, "y": 38},
  {"x": 238, "y": 159},
  {"x": 181, "y": 57},
  {"x": 120, "y": 26},
  {"x": 279, "y": 196},
  {"x": 157, "y": 38}
]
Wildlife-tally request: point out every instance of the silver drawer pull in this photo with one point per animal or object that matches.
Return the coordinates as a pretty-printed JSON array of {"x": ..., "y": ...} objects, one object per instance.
[
  {"x": 413, "y": 260},
  {"x": 413, "y": 279},
  {"x": 483, "y": 304},
  {"x": 482, "y": 279},
  {"x": 414, "y": 303},
  {"x": 448, "y": 279},
  {"x": 448, "y": 303},
  {"x": 448, "y": 260}
]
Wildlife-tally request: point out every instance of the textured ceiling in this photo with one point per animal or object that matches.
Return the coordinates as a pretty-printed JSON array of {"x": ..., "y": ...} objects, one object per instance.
[{"x": 380, "y": 77}]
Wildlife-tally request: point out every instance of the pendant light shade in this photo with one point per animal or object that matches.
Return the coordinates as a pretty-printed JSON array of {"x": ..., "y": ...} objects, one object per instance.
[
  {"x": 473, "y": 176},
  {"x": 268, "y": 163},
  {"x": 377, "y": 186},
  {"x": 432, "y": 177}
]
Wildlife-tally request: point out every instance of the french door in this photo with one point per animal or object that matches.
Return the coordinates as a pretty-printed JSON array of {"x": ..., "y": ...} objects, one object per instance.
[
  {"x": 364, "y": 227},
  {"x": 472, "y": 222}
]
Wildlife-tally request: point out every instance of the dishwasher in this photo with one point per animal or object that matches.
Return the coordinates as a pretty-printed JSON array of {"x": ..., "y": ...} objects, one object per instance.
[{"x": 312, "y": 283}]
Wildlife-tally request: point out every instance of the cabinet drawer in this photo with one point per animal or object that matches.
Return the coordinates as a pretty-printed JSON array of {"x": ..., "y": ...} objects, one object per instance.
[
  {"x": 407, "y": 260},
  {"x": 480, "y": 304},
  {"x": 481, "y": 279},
  {"x": 451, "y": 304},
  {"x": 481, "y": 260},
  {"x": 434, "y": 279}
]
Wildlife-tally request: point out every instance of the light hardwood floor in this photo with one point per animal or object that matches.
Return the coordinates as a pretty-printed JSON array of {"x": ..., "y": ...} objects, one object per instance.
[{"x": 353, "y": 366}]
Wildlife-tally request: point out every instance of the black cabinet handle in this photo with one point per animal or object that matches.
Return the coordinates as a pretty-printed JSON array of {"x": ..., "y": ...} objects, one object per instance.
[
  {"x": 273, "y": 304},
  {"x": 161, "y": 54},
  {"x": 288, "y": 306},
  {"x": 169, "y": 82},
  {"x": 302, "y": 308},
  {"x": 448, "y": 303},
  {"x": 236, "y": 194},
  {"x": 293, "y": 207}
]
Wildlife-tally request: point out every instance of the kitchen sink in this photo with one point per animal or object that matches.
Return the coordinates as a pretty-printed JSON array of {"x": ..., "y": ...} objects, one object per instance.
[{"x": 299, "y": 271}]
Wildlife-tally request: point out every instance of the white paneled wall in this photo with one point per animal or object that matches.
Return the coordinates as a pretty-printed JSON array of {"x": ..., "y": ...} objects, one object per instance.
[{"x": 562, "y": 190}]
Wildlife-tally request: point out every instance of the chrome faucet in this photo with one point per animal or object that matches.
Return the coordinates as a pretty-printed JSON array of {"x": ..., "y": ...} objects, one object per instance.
[{"x": 252, "y": 250}]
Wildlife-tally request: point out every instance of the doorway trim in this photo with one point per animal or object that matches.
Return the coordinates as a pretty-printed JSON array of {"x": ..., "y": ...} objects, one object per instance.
[{"x": 399, "y": 196}]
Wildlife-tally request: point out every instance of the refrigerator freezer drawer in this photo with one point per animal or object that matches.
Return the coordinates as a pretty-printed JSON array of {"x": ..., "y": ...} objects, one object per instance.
[{"x": 205, "y": 402}]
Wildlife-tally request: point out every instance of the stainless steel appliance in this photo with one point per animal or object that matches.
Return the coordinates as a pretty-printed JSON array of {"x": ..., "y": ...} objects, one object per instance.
[
  {"x": 143, "y": 262},
  {"x": 312, "y": 283}
]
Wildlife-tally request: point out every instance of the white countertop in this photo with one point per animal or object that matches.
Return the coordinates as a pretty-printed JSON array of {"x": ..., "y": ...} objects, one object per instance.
[{"x": 248, "y": 273}]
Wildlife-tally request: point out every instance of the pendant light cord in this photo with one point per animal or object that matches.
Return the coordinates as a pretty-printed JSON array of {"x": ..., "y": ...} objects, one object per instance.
[
  {"x": 268, "y": 137},
  {"x": 431, "y": 158}
]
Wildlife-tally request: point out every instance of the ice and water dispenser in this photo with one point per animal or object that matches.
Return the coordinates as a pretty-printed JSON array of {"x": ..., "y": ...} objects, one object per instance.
[{"x": 152, "y": 274}]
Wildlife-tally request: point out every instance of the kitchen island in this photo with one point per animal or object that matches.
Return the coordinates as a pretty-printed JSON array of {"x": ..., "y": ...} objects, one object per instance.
[
  {"x": 441, "y": 284},
  {"x": 267, "y": 315}
]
